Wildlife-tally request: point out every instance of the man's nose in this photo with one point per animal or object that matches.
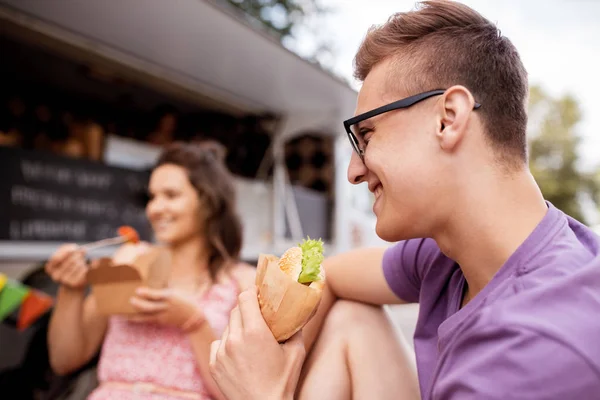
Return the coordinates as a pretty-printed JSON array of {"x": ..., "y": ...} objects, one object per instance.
[{"x": 356, "y": 169}]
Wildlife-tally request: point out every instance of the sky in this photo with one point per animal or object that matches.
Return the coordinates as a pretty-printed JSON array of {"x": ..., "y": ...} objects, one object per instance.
[{"x": 558, "y": 40}]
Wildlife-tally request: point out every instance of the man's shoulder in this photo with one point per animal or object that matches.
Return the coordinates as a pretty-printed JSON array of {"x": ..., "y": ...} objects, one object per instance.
[
  {"x": 504, "y": 354},
  {"x": 556, "y": 286},
  {"x": 406, "y": 266},
  {"x": 560, "y": 312}
]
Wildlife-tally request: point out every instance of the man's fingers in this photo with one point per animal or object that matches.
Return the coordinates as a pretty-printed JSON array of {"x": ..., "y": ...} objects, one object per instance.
[
  {"x": 296, "y": 341},
  {"x": 234, "y": 333},
  {"x": 294, "y": 348},
  {"x": 252, "y": 319},
  {"x": 214, "y": 347},
  {"x": 225, "y": 334},
  {"x": 235, "y": 321},
  {"x": 222, "y": 344}
]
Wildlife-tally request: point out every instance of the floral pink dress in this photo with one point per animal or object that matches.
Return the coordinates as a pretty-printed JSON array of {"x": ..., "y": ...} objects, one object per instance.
[{"x": 137, "y": 359}]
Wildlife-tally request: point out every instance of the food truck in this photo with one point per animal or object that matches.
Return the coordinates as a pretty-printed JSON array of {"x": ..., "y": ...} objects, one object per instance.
[
  {"x": 204, "y": 58},
  {"x": 84, "y": 84}
]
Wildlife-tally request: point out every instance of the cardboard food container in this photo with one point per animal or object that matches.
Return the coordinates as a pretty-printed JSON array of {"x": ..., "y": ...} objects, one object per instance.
[
  {"x": 286, "y": 305},
  {"x": 114, "y": 285}
]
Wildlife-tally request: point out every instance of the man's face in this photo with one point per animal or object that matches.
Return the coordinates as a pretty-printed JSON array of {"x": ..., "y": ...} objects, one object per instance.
[{"x": 403, "y": 164}]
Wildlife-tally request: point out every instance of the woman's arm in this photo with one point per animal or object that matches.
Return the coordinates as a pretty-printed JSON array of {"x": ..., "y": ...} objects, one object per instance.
[
  {"x": 76, "y": 331},
  {"x": 355, "y": 275},
  {"x": 76, "y": 328},
  {"x": 201, "y": 340}
]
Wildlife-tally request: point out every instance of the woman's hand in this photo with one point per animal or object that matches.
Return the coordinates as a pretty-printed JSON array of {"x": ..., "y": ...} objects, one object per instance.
[
  {"x": 170, "y": 307},
  {"x": 68, "y": 267},
  {"x": 128, "y": 252}
]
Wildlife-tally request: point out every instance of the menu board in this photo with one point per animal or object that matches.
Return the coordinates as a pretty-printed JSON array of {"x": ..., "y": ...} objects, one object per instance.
[{"x": 49, "y": 198}]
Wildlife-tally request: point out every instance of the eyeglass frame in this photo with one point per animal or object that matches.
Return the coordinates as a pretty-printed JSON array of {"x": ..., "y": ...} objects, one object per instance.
[{"x": 396, "y": 105}]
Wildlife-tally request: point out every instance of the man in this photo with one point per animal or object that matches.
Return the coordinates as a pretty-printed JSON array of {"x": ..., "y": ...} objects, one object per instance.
[{"x": 508, "y": 285}]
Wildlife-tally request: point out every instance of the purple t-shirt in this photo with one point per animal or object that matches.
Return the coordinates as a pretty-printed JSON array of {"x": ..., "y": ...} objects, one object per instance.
[{"x": 532, "y": 333}]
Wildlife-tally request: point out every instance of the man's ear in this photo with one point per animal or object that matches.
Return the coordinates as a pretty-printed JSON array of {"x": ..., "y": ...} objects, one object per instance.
[{"x": 455, "y": 108}]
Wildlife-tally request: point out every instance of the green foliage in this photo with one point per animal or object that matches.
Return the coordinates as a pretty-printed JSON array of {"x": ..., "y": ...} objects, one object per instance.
[
  {"x": 553, "y": 156},
  {"x": 279, "y": 16},
  {"x": 288, "y": 20}
]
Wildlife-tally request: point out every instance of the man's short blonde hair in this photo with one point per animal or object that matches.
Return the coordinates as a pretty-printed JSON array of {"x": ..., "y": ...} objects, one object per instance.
[{"x": 446, "y": 43}]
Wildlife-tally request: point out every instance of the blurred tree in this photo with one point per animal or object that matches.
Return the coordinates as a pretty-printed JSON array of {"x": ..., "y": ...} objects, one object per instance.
[
  {"x": 279, "y": 16},
  {"x": 553, "y": 156},
  {"x": 284, "y": 19}
]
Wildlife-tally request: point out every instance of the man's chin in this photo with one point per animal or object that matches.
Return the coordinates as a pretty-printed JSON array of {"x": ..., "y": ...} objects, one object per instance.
[
  {"x": 391, "y": 232},
  {"x": 386, "y": 232}
]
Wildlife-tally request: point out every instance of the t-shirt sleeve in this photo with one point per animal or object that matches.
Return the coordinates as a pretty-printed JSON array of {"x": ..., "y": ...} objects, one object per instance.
[
  {"x": 405, "y": 264},
  {"x": 511, "y": 363}
]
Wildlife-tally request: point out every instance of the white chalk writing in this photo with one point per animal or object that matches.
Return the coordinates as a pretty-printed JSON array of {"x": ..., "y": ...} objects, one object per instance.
[
  {"x": 43, "y": 199},
  {"x": 36, "y": 171},
  {"x": 44, "y": 229}
]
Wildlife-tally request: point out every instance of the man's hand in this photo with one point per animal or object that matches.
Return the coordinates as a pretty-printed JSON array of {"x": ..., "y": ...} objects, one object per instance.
[{"x": 248, "y": 363}]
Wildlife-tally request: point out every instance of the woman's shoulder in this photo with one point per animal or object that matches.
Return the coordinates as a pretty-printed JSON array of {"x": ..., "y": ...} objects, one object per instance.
[{"x": 244, "y": 274}]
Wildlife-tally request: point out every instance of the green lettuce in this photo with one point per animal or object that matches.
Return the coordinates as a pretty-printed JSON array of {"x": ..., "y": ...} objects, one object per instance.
[{"x": 312, "y": 257}]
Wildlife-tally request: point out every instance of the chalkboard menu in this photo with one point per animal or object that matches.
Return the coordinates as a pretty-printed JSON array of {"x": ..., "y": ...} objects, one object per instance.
[{"x": 48, "y": 198}]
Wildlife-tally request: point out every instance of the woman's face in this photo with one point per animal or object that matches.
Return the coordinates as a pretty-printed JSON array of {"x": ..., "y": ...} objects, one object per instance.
[{"x": 174, "y": 209}]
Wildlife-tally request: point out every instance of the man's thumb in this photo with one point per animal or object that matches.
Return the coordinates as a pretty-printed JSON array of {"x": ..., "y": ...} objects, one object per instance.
[{"x": 295, "y": 344}]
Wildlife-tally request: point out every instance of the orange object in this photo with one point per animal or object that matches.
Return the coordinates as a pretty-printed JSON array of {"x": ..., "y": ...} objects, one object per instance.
[
  {"x": 126, "y": 235},
  {"x": 129, "y": 233},
  {"x": 33, "y": 307}
]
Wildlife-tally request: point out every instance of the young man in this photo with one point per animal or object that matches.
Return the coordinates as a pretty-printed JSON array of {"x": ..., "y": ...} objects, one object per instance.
[{"x": 508, "y": 285}]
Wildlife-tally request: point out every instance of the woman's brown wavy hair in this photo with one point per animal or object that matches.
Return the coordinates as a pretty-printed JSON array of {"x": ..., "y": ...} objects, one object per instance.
[{"x": 208, "y": 174}]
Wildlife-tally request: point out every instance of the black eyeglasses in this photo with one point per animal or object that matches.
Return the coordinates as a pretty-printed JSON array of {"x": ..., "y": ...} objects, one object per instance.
[{"x": 353, "y": 123}]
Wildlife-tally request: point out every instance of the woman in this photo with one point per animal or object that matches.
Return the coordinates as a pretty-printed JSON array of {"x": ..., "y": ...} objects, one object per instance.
[{"x": 163, "y": 351}]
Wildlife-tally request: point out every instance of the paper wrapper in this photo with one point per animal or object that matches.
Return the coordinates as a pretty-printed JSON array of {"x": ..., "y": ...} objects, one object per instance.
[
  {"x": 286, "y": 305},
  {"x": 114, "y": 285}
]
